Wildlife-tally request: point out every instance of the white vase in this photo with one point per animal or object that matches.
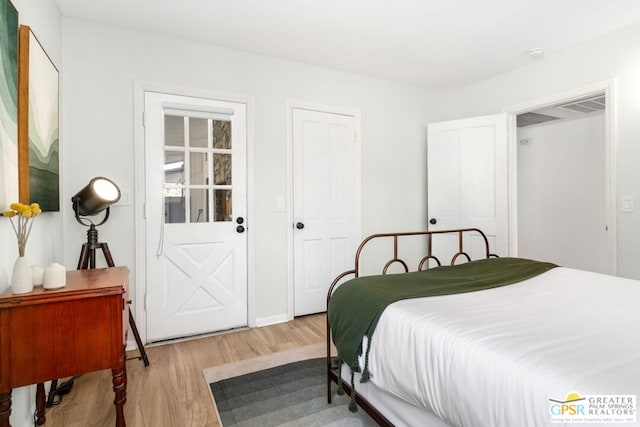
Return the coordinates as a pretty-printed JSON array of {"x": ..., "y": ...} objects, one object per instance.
[{"x": 21, "y": 278}]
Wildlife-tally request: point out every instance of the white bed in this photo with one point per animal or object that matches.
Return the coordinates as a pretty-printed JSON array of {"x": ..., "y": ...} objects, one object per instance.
[
  {"x": 495, "y": 357},
  {"x": 502, "y": 356}
]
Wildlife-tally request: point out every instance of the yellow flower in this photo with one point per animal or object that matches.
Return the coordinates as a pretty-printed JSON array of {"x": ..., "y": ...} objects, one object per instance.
[{"x": 22, "y": 227}]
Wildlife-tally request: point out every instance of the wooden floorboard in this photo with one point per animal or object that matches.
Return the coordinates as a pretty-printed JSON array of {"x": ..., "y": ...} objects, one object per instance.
[{"x": 172, "y": 391}]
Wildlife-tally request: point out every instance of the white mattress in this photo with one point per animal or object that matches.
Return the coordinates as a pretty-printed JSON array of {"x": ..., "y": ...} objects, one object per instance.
[{"x": 495, "y": 357}]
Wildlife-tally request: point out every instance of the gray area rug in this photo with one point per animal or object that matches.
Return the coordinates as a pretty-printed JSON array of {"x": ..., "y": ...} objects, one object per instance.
[{"x": 289, "y": 395}]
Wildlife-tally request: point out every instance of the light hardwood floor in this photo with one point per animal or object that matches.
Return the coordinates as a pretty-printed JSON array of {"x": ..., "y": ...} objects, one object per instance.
[{"x": 172, "y": 390}]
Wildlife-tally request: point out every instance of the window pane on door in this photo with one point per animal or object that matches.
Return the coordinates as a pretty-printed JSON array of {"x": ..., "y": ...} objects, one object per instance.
[
  {"x": 199, "y": 203},
  {"x": 222, "y": 205},
  {"x": 198, "y": 168},
  {"x": 174, "y": 167},
  {"x": 174, "y": 131},
  {"x": 221, "y": 134},
  {"x": 221, "y": 169},
  {"x": 198, "y": 132},
  {"x": 173, "y": 207}
]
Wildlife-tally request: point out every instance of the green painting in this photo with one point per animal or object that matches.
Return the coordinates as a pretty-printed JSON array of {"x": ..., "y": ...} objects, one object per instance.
[
  {"x": 43, "y": 124},
  {"x": 8, "y": 104}
]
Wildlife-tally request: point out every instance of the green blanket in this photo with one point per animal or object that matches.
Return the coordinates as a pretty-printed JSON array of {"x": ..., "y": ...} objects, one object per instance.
[{"x": 356, "y": 305}]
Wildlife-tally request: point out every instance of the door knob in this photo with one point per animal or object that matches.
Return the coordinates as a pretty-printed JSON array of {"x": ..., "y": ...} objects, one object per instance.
[
  {"x": 432, "y": 221},
  {"x": 240, "y": 229},
  {"x": 239, "y": 220},
  {"x": 299, "y": 226}
]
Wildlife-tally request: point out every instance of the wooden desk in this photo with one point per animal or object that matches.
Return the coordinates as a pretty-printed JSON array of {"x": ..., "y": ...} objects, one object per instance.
[{"x": 49, "y": 334}]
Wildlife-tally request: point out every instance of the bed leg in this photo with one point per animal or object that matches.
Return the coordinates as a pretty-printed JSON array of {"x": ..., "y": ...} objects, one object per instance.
[{"x": 328, "y": 356}]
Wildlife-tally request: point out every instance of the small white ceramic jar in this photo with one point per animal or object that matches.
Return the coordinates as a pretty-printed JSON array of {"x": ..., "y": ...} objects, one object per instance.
[
  {"x": 38, "y": 275},
  {"x": 55, "y": 276}
]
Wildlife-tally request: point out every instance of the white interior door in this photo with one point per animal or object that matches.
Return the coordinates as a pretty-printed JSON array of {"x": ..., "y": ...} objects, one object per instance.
[
  {"x": 196, "y": 207},
  {"x": 326, "y": 159},
  {"x": 467, "y": 183}
]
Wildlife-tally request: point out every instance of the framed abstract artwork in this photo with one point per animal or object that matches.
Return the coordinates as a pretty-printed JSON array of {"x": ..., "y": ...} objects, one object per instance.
[
  {"x": 8, "y": 104},
  {"x": 38, "y": 124}
]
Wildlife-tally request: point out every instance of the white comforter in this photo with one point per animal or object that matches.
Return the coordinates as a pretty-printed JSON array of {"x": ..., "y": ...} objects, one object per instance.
[{"x": 495, "y": 357}]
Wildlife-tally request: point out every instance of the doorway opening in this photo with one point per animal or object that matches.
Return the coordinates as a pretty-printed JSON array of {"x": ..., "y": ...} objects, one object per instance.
[{"x": 565, "y": 195}]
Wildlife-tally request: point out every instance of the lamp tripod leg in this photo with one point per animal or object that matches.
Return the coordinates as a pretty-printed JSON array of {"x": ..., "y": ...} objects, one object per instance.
[
  {"x": 83, "y": 261},
  {"x": 52, "y": 393},
  {"x": 132, "y": 322},
  {"x": 107, "y": 254},
  {"x": 136, "y": 335}
]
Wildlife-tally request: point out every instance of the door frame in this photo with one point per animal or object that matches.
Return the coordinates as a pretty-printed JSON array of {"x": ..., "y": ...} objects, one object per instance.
[
  {"x": 140, "y": 274},
  {"x": 609, "y": 89},
  {"x": 291, "y": 105}
]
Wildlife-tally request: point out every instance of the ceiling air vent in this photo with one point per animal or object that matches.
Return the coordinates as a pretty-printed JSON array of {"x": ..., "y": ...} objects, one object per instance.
[
  {"x": 528, "y": 119},
  {"x": 588, "y": 105}
]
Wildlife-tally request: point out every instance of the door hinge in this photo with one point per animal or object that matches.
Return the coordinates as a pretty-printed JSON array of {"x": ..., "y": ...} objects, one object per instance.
[
  {"x": 145, "y": 301},
  {"x": 144, "y": 119},
  {"x": 144, "y": 210}
]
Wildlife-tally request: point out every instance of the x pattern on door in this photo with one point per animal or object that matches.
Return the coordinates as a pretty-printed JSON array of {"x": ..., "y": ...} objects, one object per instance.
[{"x": 201, "y": 277}]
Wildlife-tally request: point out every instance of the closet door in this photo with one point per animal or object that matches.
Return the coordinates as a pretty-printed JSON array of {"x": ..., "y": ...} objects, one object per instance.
[
  {"x": 326, "y": 228},
  {"x": 467, "y": 183}
]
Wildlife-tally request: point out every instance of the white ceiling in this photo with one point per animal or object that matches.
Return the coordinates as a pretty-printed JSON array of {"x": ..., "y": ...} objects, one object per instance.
[{"x": 437, "y": 44}]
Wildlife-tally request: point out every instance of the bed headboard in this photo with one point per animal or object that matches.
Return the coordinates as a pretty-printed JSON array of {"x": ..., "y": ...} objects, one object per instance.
[
  {"x": 429, "y": 238},
  {"x": 424, "y": 261}
]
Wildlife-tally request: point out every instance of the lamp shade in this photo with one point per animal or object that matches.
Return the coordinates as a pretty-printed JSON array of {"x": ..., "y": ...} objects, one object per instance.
[{"x": 95, "y": 197}]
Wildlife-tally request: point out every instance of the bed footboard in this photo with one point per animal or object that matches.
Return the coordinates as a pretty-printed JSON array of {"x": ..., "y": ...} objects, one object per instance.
[{"x": 332, "y": 371}]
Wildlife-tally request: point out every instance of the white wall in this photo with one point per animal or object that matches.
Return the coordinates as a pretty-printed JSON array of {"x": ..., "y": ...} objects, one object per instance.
[
  {"x": 614, "y": 56},
  {"x": 561, "y": 193},
  {"x": 45, "y": 243},
  {"x": 101, "y": 64}
]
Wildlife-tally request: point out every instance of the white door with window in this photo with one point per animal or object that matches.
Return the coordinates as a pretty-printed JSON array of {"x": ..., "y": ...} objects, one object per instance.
[
  {"x": 326, "y": 198},
  {"x": 196, "y": 208},
  {"x": 468, "y": 183}
]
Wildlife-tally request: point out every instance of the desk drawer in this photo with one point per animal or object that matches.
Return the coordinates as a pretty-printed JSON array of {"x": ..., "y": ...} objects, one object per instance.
[{"x": 57, "y": 340}]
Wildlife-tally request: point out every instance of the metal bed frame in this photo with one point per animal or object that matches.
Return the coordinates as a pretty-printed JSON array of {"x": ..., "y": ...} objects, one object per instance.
[{"x": 332, "y": 370}]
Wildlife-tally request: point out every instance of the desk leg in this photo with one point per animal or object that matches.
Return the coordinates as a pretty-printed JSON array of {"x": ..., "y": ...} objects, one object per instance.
[
  {"x": 5, "y": 409},
  {"x": 40, "y": 404},
  {"x": 120, "y": 388}
]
